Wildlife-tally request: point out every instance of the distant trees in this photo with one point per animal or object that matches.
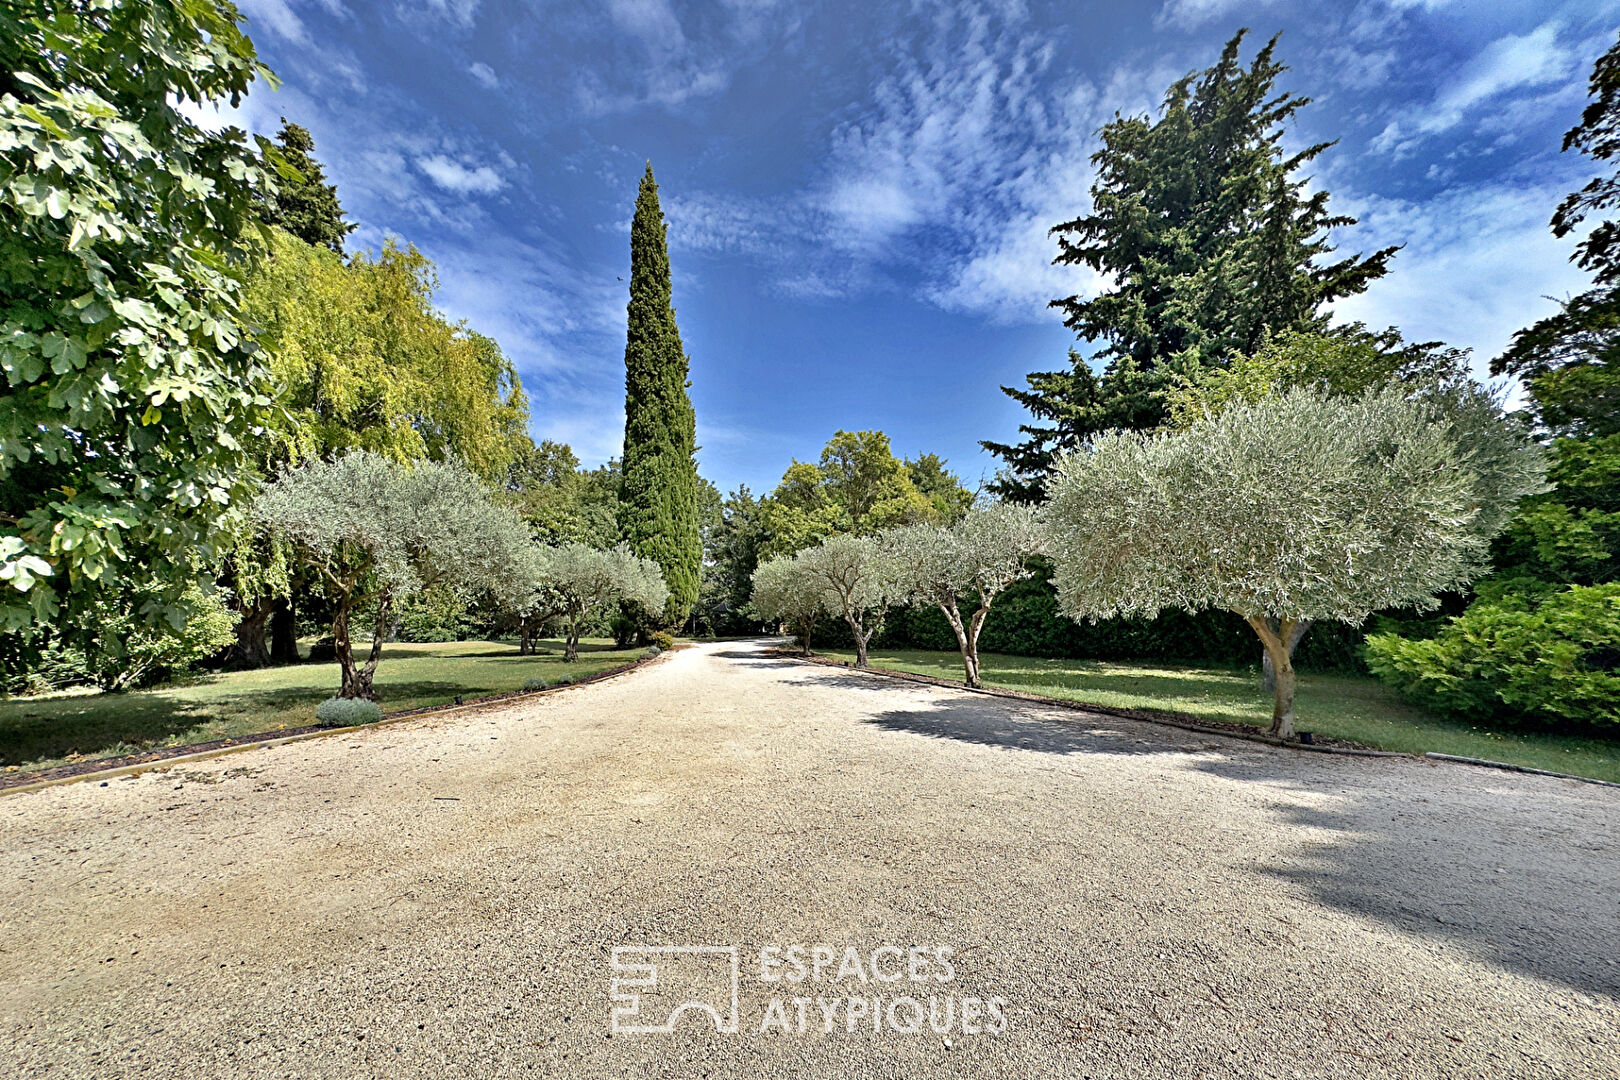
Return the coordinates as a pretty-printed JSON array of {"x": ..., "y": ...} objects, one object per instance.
[
  {"x": 1211, "y": 239},
  {"x": 858, "y": 487},
  {"x": 977, "y": 558},
  {"x": 658, "y": 511},
  {"x": 582, "y": 581},
  {"x": 303, "y": 203},
  {"x": 131, "y": 389},
  {"x": 785, "y": 591},
  {"x": 858, "y": 580},
  {"x": 1298, "y": 506},
  {"x": 375, "y": 530}
]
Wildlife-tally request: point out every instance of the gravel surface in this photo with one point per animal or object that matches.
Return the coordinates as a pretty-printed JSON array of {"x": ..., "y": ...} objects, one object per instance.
[{"x": 441, "y": 897}]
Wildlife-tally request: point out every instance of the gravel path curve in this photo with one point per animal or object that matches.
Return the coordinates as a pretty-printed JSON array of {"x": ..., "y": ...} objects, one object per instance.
[{"x": 442, "y": 897}]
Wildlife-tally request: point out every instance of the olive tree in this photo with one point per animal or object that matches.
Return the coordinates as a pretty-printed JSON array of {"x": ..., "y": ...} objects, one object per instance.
[
  {"x": 1297, "y": 506},
  {"x": 788, "y": 593},
  {"x": 374, "y": 530},
  {"x": 580, "y": 580},
  {"x": 860, "y": 582},
  {"x": 980, "y": 557}
]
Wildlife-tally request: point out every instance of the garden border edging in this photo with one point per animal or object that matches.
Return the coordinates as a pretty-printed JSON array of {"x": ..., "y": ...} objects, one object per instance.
[{"x": 163, "y": 761}]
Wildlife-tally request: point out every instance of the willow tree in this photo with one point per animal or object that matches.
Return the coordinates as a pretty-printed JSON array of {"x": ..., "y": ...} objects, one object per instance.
[
  {"x": 658, "y": 499},
  {"x": 1297, "y": 506},
  {"x": 977, "y": 558}
]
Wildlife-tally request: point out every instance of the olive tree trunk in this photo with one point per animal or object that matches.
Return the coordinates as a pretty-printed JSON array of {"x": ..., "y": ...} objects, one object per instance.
[
  {"x": 1275, "y": 641},
  {"x": 358, "y": 679},
  {"x": 1267, "y": 669}
]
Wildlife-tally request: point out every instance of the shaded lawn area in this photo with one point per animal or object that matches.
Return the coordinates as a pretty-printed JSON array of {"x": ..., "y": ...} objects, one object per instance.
[
  {"x": 52, "y": 729},
  {"x": 1353, "y": 707}
]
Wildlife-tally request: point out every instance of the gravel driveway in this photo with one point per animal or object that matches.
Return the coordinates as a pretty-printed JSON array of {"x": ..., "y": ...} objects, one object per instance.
[{"x": 442, "y": 897}]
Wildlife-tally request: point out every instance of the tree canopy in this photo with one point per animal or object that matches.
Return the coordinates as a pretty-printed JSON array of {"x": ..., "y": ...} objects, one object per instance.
[
  {"x": 1211, "y": 238},
  {"x": 132, "y": 390},
  {"x": 303, "y": 203},
  {"x": 1293, "y": 507}
]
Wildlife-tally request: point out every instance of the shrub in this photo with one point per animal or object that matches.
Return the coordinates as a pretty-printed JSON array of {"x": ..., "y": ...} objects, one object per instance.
[
  {"x": 623, "y": 628},
  {"x": 130, "y": 651},
  {"x": 661, "y": 640},
  {"x": 651, "y": 652},
  {"x": 346, "y": 712},
  {"x": 1548, "y": 661}
]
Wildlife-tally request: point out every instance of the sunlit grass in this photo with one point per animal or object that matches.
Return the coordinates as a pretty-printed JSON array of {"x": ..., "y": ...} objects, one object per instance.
[
  {"x": 38, "y": 732},
  {"x": 1355, "y": 708}
]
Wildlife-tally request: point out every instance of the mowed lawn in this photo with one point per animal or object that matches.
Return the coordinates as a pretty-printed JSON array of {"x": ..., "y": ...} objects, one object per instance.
[
  {"x": 1357, "y": 708},
  {"x": 38, "y": 732}
]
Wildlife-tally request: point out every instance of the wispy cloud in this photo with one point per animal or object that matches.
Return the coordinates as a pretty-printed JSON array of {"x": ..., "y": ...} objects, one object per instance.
[
  {"x": 1510, "y": 63},
  {"x": 1479, "y": 263},
  {"x": 485, "y": 75}
]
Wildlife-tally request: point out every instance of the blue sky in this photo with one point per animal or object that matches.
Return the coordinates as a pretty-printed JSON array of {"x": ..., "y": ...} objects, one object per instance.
[{"x": 859, "y": 193}]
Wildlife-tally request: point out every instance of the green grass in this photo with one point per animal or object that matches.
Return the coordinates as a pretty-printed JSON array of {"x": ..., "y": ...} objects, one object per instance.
[
  {"x": 53, "y": 729},
  {"x": 1357, "y": 708}
]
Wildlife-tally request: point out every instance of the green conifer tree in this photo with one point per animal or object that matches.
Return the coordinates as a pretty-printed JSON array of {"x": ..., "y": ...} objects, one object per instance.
[
  {"x": 658, "y": 511},
  {"x": 306, "y": 205}
]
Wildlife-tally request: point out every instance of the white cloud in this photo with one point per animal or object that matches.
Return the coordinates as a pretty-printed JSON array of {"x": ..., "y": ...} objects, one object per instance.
[
  {"x": 1478, "y": 265},
  {"x": 460, "y": 13},
  {"x": 485, "y": 75},
  {"x": 453, "y": 176},
  {"x": 1515, "y": 62},
  {"x": 1187, "y": 14}
]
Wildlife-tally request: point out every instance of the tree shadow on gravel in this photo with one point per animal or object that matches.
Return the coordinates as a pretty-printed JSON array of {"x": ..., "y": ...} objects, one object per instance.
[
  {"x": 1518, "y": 872},
  {"x": 1521, "y": 873}
]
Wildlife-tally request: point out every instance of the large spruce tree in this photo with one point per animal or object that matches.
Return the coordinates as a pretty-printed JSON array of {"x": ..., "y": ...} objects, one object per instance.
[
  {"x": 658, "y": 511},
  {"x": 305, "y": 205},
  {"x": 1204, "y": 225}
]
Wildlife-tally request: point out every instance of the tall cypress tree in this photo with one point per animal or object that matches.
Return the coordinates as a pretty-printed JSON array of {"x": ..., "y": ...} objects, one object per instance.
[
  {"x": 1213, "y": 242},
  {"x": 306, "y": 206},
  {"x": 658, "y": 511}
]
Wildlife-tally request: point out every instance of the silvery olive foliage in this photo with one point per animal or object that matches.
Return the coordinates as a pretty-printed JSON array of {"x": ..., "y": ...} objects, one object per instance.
[
  {"x": 978, "y": 558},
  {"x": 858, "y": 579},
  {"x": 130, "y": 385},
  {"x": 575, "y": 581},
  {"x": 374, "y": 529},
  {"x": 1298, "y": 506},
  {"x": 786, "y": 592}
]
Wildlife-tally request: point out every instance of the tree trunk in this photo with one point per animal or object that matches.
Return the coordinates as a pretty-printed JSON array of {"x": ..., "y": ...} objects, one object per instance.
[
  {"x": 954, "y": 618},
  {"x": 250, "y": 649},
  {"x": 1275, "y": 640},
  {"x": 1268, "y": 671},
  {"x": 343, "y": 647},
  {"x": 379, "y": 634},
  {"x": 525, "y": 638},
  {"x": 284, "y": 632},
  {"x": 860, "y": 643},
  {"x": 571, "y": 649},
  {"x": 974, "y": 626},
  {"x": 809, "y": 624}
]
